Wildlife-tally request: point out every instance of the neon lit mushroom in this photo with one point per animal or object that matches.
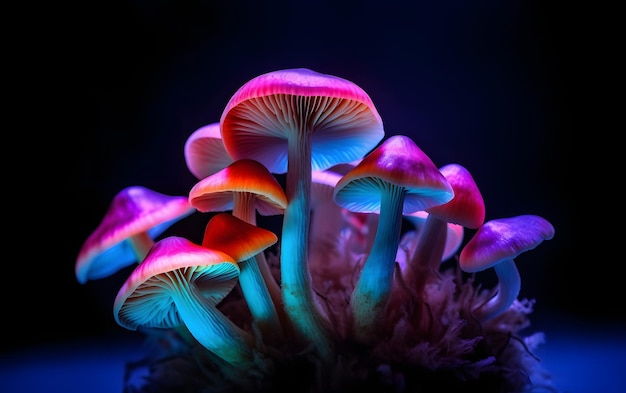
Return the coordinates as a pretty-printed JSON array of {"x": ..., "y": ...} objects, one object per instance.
[
  {"x": 180, "y": 282},
  {"x": 466, "y": 208},
  {"x": 495, "y": 245},
  {"x": 135, "y": 217},
  {"x": 294, "y": 121},
  {"x": 204, "y": 151},
  {"x": 245, "y": 187},
  {"x": 396, "y": 178},
  {"x": 243, "y": 241}
]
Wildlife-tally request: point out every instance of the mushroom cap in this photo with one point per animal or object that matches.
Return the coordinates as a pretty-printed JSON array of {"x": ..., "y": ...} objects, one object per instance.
[
  {"x": 340, "y": 118},
  {"x": 398, "y": 160},
  {"x": 235, "y": 237},
  {"x": 502, "y": 239},
  {"x": 133, "y": 211},
  {"x": 215, "y": 193},
  {"x": 467, "y": 208},
  {"x": 204, "y": 151},
  {"x": 145, "y": 298}
]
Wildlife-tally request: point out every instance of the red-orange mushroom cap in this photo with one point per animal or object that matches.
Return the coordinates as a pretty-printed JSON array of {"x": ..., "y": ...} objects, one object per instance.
[
  {"x": 180, "y": 282},
  {"x": 496, "y": 244},
  {"x": 135, "y": 217},
  {"x": 243, "y": 178},
  {"x": 204, "y": 151}
]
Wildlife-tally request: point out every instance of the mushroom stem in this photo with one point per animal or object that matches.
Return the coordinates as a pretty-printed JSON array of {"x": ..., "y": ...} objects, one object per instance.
[
  {"x": 211, "y": 328},
  {"x": 509, "y": 285},
  {"x": 373, "y": 288},
  {"x": 244, "y": 209},
  {"x": 297, "y": 291},
  {"x": 258, "y": 299},
  {"x": 141, "y": 243},
  {"x": 428, "y": 253}
]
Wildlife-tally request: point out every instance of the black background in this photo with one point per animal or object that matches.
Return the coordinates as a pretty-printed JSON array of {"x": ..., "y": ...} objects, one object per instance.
[{"x": 110, "y": 91}]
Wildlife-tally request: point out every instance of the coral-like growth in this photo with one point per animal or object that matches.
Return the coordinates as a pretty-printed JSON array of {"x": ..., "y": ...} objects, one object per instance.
[{"x": 300, "y": 316}]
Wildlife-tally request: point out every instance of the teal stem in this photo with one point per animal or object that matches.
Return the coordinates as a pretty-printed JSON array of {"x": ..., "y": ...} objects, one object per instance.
[
  {"x": 259, "y": 301},
  {"x": 210, "y": 327},
  {"x": 509, "y": 285},
  {"x": 244, "y": 208},
  {"x": 373, "y": 288},
  {"x": 300, "y": 305}
]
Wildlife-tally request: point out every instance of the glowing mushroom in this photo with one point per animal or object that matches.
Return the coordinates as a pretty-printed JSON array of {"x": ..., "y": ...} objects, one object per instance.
[
  {"x": 396, "y": 178},
  {"x": 296, "y": 121},
  {"x": 243, "y": 241},
  {"x": 204, "y": 151},
  {"x": 496, "y": 244},
  {"x": 245, "y": 187},
  {"x": 467, "y": 209},
  {"x": 180, "y": 282},
  {"x": 135, "y": 217}
]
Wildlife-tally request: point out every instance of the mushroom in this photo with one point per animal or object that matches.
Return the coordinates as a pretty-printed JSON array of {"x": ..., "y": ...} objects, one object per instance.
[
  {"x": 496, "y": 244},
  {"x": 180, "y": 282},
  {"x": 396, "y": 178},
  {"x": 296, "y": 121},
  {"x": 245, "y": 187},
  {"x": 243, "y": 241},
  {"x": 204, "y": 151},
  {"x": 135, "y": 217},
  {"x": 467, "y": 209}
]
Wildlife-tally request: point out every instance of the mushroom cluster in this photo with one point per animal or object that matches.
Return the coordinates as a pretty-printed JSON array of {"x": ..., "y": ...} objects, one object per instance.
[{"x": 342, "y": 296}]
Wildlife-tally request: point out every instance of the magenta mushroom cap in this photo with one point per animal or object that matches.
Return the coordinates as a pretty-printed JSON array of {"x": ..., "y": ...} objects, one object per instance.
[
  {"x": 133, "y": 211},
  {"x": 145, "y": 299},
  {"x": 502, "y": 239},
  {"x": 467, "y": 208},
  {"x": 340, "y": 117},
  {"x": 399, "y": 161}
]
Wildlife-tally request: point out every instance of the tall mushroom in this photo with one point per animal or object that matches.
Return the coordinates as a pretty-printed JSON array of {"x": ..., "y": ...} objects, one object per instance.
[
  {"x": 243, "y": 241},
  {"x": 396, "y": 178},
  {"x": 296, "y": 121},
  {"x": 180, "y": 282},
  {"x": 496, "y": 244},
  {"x": 204, "y": 151},
  {"x": 135, "y": 217},
  {"x": 245, "y": 187}
]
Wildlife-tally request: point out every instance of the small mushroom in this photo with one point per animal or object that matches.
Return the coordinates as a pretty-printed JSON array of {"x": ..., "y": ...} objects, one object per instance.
[
  {"x": 204, "y": 151},
  {"x": 243, "y": 241},
  {"x": 396, "y": 178},
  {"x": 467, "y": 209},
  {"x": 496, "y": 244},
  {"x": 181, "y": 282},
  {"x": 135, "y": 217},
  {"x": 246, "y": 187}
]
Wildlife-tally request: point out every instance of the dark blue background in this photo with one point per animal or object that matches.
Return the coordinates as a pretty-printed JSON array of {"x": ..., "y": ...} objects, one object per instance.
[{"x": 511, "y": 90}]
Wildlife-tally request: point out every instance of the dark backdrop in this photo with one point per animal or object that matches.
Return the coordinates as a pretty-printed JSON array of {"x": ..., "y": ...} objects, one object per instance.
[{"x": 499, "y": 87}]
